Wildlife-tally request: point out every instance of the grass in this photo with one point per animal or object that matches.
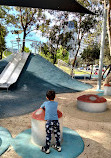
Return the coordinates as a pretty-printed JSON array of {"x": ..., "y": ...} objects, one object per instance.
[
  {"x": 5, "y": 54},
  {"x": 68, "y": 70}
]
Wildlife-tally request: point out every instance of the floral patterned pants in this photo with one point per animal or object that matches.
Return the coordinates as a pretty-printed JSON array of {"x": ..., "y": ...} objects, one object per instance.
[{"x": 52, "y": 126}]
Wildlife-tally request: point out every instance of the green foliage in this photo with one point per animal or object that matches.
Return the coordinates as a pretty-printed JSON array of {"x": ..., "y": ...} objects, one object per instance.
[
  {"x": 2, "y": 38},
  {"x": 28, "y": 20},
  {"x": 47, "y": 57},
  {"x": 56, "y": 32},
  {"x": 91, "y": 53},
  {"x": 6, "y": 53},
  {"x": 86, "y": 25},
  {"x": 46, "y": 53},
  {"x": 60, "y": 54},
  {"x": 6, "y": 17},
  {"x": 107, "y": 57},
  {"x": 84, "y": 3},
  {"x": 57, "y": 37},
  {"x": 27, "y": 50}
]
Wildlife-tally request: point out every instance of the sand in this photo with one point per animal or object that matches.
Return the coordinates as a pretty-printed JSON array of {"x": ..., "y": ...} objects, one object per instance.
[{"x": 94, "y": 128}]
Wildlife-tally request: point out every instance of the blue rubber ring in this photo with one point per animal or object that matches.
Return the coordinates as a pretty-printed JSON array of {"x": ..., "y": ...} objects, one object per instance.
[
  {"x": 5, "y": 139},
  {"x": 72, "y": 146}
]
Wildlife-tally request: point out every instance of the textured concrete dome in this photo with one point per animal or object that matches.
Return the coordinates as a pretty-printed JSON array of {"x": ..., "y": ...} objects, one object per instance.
[{"x": 91, "y": 103}]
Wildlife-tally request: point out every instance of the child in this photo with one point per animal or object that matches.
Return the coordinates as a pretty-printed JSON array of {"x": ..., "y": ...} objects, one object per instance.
[{"x": 52, "y": 123}]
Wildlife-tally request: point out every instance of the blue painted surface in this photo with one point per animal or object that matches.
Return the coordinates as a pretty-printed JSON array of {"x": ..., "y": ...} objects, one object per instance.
[
  {"x": 29, "y": 92},
  {"x": 5, "y": 139},
  {"x": 72, "y": 146},
  {"x": 99, "y": 90},
  {"x": 0, "y": 141},
  {"x": 100, "y": 94}
]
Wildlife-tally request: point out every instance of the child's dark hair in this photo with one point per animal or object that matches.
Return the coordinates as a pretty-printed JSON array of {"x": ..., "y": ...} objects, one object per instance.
[{"x": 50, "y": 94}]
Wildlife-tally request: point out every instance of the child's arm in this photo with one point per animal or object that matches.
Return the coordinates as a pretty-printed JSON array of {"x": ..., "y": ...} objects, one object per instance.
[{"x": 42, "y": 106}]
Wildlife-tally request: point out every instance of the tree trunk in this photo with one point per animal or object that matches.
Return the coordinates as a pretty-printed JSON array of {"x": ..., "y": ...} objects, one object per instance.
[
  {"x": 55, "y": 59},
  {"x": 79, "y": 42},
  {"x": 75, "y": 60},
  {"x": 109, "y": 24},
  {"x": 1, "y": 55},
  {"x": 91, "y": 71},
  {"x": 24, "y": 36}
]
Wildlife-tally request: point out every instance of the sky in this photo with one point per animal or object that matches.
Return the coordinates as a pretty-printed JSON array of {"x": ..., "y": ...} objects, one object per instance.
[
  {"x": 32, "y": 36},
  {"x": 36, "y": 36},
  {"x": 12, "y": 37}
]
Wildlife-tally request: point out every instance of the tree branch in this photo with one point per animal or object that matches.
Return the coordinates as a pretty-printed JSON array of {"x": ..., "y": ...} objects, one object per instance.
[
  {"x": 27, "y": 23},
  {"x": 21, "y": 18}
]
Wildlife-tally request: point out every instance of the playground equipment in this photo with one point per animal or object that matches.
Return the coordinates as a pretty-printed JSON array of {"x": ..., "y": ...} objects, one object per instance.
[
  {"x": 35, "y": 45},
  {"x": 5, "y": 139},
  {"x": 107, "y": 86},
  {"x": 91, "y": 103},
  {"x": 38, "y": 134},
  {"x": 107, "y": 71},
  {"x": 13, "y": 69}
]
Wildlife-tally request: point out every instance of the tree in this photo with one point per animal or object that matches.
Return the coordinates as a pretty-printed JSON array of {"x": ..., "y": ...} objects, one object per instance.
[
  {"x": 5, "y": 19},
  {"x": 63, "y": 54},
  {"x": 28, "y": 19},
  {"x": 57, "y": 40},
  {"x": 109, "y": 23},
  {"x": 2, "y": 39},
  {"x": 107, "y": 5},
  {"x": 27, "y": 50},
  {"x": 2, "y": 29},
  {"x": 107, "y": 57},
  {"x": 57, "y": 34},
  {"x": 46, "y": 53},
  {"x": 90, "y": 54},
  {"x": 86, "y": 24},
  {"x": 60, "y": 54},
  {"x": 4, "y": 14}
]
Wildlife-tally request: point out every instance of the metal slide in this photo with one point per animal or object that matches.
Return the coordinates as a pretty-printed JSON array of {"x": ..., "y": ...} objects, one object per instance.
[{"x": 12, "y": 71}]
